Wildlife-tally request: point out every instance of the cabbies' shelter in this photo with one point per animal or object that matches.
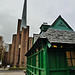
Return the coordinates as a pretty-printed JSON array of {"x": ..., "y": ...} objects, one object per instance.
[{"x": 53, "y": 53}]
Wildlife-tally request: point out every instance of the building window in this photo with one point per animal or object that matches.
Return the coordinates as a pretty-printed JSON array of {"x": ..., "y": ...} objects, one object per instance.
[{"x": 71, "y": 58}]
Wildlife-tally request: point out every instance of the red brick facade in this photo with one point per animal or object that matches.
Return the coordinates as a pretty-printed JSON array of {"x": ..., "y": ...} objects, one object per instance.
[
  {"x": 30, "y": 41},
  {"x": 13, "y": 49},
  {"x": 19, "y": 47},
  {"x": 24, "y": 45},
  {"x": 16, "y": 58},
  {"x": 9, "y": 53}
]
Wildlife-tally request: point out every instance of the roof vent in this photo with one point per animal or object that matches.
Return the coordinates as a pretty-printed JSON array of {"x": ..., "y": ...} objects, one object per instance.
[{"x": 45, "y": 23}]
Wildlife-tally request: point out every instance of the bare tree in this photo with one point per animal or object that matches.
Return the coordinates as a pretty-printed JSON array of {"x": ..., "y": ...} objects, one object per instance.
[{"x": 1, "y": 48}]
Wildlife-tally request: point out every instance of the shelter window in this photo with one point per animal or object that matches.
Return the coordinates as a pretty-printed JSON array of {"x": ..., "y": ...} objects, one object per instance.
[
  {"x": 71, "y": 58},
  {"x": 37, "y": 60}
]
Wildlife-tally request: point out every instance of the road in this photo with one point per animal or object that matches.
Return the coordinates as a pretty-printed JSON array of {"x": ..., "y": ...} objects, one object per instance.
[{"x": 12, "y": 73}]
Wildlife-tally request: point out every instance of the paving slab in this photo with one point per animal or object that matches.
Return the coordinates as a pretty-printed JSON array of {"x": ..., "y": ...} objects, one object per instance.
[{"x": 12, "y": 73}]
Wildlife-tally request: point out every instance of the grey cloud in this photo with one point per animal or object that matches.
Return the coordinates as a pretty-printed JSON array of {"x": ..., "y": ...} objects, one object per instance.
[{"x": 38, "y": 12}]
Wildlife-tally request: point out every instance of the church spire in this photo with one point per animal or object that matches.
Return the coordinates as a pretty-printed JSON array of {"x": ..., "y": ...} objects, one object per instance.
[{"x": 24, "y": 16}]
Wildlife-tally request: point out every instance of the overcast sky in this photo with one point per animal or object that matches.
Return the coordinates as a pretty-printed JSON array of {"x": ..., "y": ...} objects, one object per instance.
[{"x": 38, "y": 11}]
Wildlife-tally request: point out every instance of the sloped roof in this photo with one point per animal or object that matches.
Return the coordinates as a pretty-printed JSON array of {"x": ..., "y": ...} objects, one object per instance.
[
  {"x": 59, "y": 36},
  {"x": 57, "y": 20},
  {"x": 54, "y": 36}
]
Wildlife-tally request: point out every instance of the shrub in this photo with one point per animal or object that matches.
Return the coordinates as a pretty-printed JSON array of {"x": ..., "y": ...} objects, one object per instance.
[
  {"x": 17, "y": 68},
  {"x": 0, "y": 66}
]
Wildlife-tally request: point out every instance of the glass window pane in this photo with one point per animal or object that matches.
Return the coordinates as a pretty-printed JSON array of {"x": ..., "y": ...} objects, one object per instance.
[
  {"x": 36, "y": 50},
  {"x": 73, "y": 61},
  {"x": 36, "y": 60},
  {"x": 73, "y": 54},
  {"x": 69, "y": 62},
  {"x": 68, "y": 54},
  {"x": 31, "y": 61}
]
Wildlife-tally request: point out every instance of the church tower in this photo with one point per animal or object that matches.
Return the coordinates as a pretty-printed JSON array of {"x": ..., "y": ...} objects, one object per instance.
[
  {"x": 22, "y": 39},
  {"x": 21, "y": 42}
]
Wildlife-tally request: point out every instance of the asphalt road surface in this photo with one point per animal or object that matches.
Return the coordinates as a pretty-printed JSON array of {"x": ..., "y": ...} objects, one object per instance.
[{"x": 12, "y": 73}]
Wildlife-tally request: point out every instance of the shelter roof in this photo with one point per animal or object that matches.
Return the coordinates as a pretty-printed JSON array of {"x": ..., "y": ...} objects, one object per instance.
[{"x": 59, "y": 36}]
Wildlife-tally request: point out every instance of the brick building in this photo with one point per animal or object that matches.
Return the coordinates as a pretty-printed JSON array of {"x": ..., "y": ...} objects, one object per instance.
[{"x": 21, "y": 42}]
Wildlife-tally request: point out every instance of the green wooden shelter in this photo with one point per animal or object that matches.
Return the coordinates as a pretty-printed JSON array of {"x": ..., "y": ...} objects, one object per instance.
[{"x": 53, "y": 53}]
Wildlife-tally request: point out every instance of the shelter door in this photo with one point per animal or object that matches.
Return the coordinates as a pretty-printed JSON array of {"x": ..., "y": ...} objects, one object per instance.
[{"x": 57, "y": 62}]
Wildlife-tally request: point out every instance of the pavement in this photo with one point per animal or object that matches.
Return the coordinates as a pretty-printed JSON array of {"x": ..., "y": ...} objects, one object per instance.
[{"x": 19, "y": 72}]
